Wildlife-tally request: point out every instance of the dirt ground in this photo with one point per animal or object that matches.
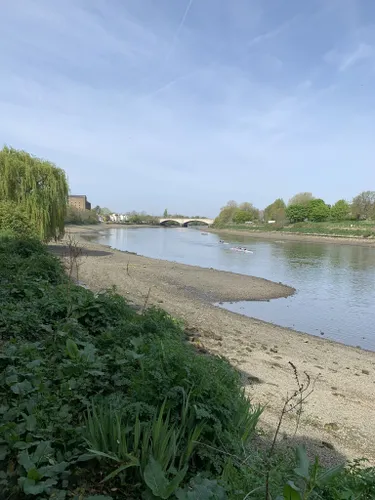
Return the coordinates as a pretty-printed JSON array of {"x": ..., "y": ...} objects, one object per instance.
[{"x": 338, "y": 419}]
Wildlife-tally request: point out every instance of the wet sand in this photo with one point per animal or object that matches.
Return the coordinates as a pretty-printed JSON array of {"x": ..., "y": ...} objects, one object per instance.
[{"x": 338, "y": 419}]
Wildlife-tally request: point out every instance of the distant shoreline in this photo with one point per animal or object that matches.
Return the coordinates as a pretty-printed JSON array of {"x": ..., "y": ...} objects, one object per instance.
[
  {"x": 270, "y": 235},
  {"x": 311, "y": 238}
]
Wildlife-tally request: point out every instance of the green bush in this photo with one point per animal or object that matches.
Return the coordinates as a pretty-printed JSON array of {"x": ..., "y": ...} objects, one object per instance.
[
  {"x": 75, "y": 216},
  {"x": 340, "y": 211},
  {"x": 14, "y": 219},
  {"x": 318, "y": 211},
  {"x": 296, "y": 213}
]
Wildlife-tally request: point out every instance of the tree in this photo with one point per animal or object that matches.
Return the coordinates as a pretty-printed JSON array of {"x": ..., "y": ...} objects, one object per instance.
[
  {"x": 363, "y": 205},
  {"x": 296, "y": 213},
  {"x": 242, "y": 216},
  {"x": 225, "y": 216},
  {"x": 249, "y": 208},
  {"x": 232, "y": 204},
  {"x": 318, "y": 211},
  {"x": 165, "y": 214},
  {"x": 226, "y": 213},
  {"x": 340, "y": 210},
  {"x": 246, "y": 206},
  {"x": 275, "y": 211},
  {"x": 14, "y": 218},
  {"x": 38, "y": 187},
  {"x": 238, "y": 214},
  {"x": 300, "y": 199},
  {"x": 75, "y": 216}
]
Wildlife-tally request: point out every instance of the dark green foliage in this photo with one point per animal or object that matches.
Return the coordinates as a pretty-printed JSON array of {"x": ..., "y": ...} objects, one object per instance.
[
  {"x": 241, "y": 216},
  {"x": 296, "y": 213},
  {"x": 355, "y": 481},
  {"x": 318, "y": 211},
  {"x": 13, "y": 217}
]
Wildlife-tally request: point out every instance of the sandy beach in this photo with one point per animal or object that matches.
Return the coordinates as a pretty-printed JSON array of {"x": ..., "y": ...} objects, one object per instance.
[{"x": 338, "y": 419}]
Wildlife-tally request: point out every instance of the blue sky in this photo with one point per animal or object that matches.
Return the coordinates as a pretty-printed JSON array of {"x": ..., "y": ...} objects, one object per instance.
[{"x": 149, "y": 104}]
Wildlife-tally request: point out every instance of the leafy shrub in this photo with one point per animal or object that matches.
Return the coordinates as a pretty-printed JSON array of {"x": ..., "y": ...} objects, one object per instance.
[
  {"x": 318, "y": 210},
  {"x": 152, "y": 449},
  {"x": 296, "y": 213},
  {"x": 340, "y": 211},
  {"x": 75, "y": 216},
  {"x": 14, "y": 218}
]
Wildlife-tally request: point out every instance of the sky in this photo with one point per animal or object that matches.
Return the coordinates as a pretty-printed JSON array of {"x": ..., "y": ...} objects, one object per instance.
[{"x": 186, "y": 104}]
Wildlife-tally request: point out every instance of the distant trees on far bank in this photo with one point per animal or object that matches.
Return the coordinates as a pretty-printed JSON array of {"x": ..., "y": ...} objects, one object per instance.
[
  {"x": 301, "y": 207},
  {"x": 232, "y": 213},
  {"x": 75, "y": 216}
]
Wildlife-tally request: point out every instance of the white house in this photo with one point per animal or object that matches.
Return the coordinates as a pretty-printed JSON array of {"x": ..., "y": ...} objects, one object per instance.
[{"x": 118, "y": 218}]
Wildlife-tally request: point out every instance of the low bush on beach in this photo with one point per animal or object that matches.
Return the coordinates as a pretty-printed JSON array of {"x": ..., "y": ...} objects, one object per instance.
[{"x": 100, "y": 402}]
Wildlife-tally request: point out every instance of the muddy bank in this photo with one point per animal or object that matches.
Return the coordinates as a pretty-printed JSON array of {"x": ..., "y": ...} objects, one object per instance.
[
  {"x": 338, "y": 418},
  {"x": 312, "y": 238}
]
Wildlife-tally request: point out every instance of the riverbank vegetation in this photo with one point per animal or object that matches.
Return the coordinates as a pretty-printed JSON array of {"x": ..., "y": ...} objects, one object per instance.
[
  {"x": 304, "y": 214},
  {"x": 81, "y": 217}
]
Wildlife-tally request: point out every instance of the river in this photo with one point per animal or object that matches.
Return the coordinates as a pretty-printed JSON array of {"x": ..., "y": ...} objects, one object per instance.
[{"x": 335, "y": 284}]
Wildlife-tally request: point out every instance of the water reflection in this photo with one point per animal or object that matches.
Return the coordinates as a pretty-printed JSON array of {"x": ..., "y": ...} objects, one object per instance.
[{"x": 335, "y": 283}]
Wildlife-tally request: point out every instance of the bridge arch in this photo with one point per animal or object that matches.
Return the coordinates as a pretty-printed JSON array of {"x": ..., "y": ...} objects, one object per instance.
[
  {"x": 201, "y": 221},
  {"x": 164, "y": 222},
  {"x": 185, "y": 222}
]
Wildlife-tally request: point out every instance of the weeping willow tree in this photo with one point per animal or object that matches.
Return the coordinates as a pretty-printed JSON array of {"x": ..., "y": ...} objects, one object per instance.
[{"x": 38, "y": 187}]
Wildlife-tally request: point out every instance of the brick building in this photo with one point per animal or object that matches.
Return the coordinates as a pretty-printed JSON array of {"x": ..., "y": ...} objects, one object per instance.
[{"x": 79, "y": 201}]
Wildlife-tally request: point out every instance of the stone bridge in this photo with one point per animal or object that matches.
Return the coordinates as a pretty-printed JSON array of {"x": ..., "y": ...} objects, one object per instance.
[{"x": 186, "y": 222}]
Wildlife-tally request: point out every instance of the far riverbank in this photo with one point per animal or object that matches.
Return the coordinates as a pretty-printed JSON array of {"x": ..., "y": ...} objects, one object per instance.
[
  {"x": 337, "y": 420},
  {"x": 281, "y": 235}
]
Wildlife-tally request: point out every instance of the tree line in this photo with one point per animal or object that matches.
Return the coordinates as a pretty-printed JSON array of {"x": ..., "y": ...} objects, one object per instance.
[{"x": 301, "y": 207}]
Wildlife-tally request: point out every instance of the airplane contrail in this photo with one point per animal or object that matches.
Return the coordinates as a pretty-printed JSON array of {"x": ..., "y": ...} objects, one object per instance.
[
  {"x": 178, "y": 30},
  {"x": 171, "y": 83},
  {"x": 173, "y": 43}
]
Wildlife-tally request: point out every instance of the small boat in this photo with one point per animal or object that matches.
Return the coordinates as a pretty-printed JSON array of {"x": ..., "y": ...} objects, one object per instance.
[
  {"x": 204, "y": 234},
  {"x": 242, "y": 250}
]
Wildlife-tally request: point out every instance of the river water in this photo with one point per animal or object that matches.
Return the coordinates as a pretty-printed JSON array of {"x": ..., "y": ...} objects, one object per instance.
[{"x": 335, "y": 283}]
